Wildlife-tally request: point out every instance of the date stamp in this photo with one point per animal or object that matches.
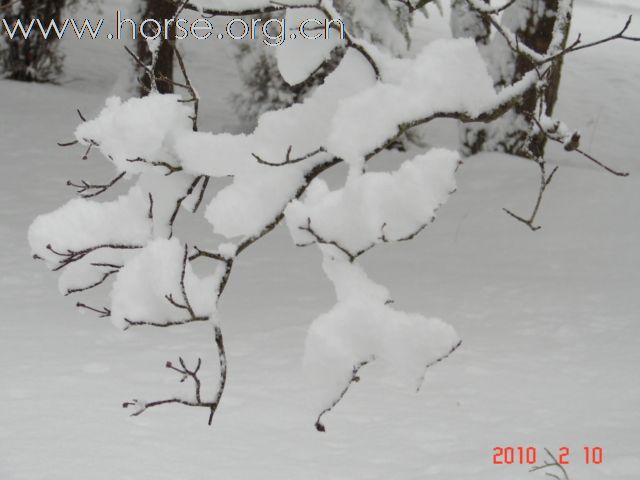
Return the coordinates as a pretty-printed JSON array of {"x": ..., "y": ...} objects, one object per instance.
[{"x": 509, "y": 455}]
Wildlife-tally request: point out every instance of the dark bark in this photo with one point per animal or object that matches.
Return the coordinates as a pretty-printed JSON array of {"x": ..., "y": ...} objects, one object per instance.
[
  {"x": 159, "y": 10},
  {"x": 537, "y": 35}
]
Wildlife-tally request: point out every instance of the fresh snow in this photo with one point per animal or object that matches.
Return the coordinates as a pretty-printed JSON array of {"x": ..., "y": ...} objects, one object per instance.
[
  {"x": 376, "y": 206},
  {"x": 548, "y": 320},
  {"x": 299, "y": 57},
  {"x": 410, "y": 91},
  {"x": 139, "y": 128},
  {"x": 141, "y": 287},
  {"x": 363, "y": 327},
  {"x": 83, "y": 223}
]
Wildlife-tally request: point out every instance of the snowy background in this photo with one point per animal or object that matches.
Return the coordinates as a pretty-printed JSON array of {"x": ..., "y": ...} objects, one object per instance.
[{"x": 549, "y": 320}]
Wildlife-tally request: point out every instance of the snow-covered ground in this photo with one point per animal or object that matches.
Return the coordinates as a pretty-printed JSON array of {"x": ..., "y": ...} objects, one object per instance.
[{"x": 549, "y": 319}]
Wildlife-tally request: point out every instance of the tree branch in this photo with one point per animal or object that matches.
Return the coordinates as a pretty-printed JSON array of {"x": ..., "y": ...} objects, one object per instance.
[
  {"x": 141, "y": 406},
  {"x": 102, "y": 312},
  {"x": 550, "y": 465},
  {"x": 171, "y": 169},
  {"x": 354, "y": 379},
  {"x": 436, "y": 361},
  {"x": 71, "y": 256},
  {"x": 572, "y": 144},
  {"x": 187, "y": 194},
  {"x": 288, "y": 159},
  {"x": 103, "y": 279},
  {"x": 351, "y": 256},
  {"x": 172, "y": 323},
  {"x": 87, "y": 190},
  {"x": 544, "y": 184}
]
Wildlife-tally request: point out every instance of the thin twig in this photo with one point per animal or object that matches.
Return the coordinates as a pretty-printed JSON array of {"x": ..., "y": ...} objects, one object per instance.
[
  {"x": 71, "y": 256},
  {"x": 354, "y": 379},
  {"x": 88, "y": 190},
  {"x": 103, "y": 312},
  {"x": 548, "y": 465},
  {"x": 544, "y": 184},
  {"x": 171, "y": 169},
  {"x": 288, "y": 160},
  {"x": 436, "y": 361}
]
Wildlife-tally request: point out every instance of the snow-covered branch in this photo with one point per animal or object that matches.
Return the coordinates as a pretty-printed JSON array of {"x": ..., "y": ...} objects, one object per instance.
[
  {"x": 557, "y": 48},
  {"x": 543, "y": 92},
  {"x": 364, "y": 106}
]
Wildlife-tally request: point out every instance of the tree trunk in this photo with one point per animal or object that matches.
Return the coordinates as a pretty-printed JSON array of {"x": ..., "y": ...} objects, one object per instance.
[
  {"x": 159, "y": 10},
  {"x": 532, "y": 21}
]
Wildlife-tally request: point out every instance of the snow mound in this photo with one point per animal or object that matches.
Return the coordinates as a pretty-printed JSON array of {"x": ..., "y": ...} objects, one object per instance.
[
  {"x": 409, "y": 91},
  {"x": 375, "y": 206},
  {"x": 363, "y": 327},
  {"x": 298, "y": 58},
  {"x": 139, "y": 128},
  {"x": 145, "y": 285},
  {"x": 81, "y": 224}
]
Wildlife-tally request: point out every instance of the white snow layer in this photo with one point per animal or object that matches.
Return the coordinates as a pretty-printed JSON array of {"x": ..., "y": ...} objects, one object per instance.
[
  {"x": 81, "y": 224},
  {"x": 165, "y": 192},
  {"x": 363, "y": 327},
  {"x": 376, "y": 206},
  {"x": 259, "y": 192},
  {"x": 139, "y": 128},
  {"x": 349, "y": 115},
  {"x": 298, "y": 58},
  {"x": 410, "y": 91},
  {"x": 141, "y": 289}
]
